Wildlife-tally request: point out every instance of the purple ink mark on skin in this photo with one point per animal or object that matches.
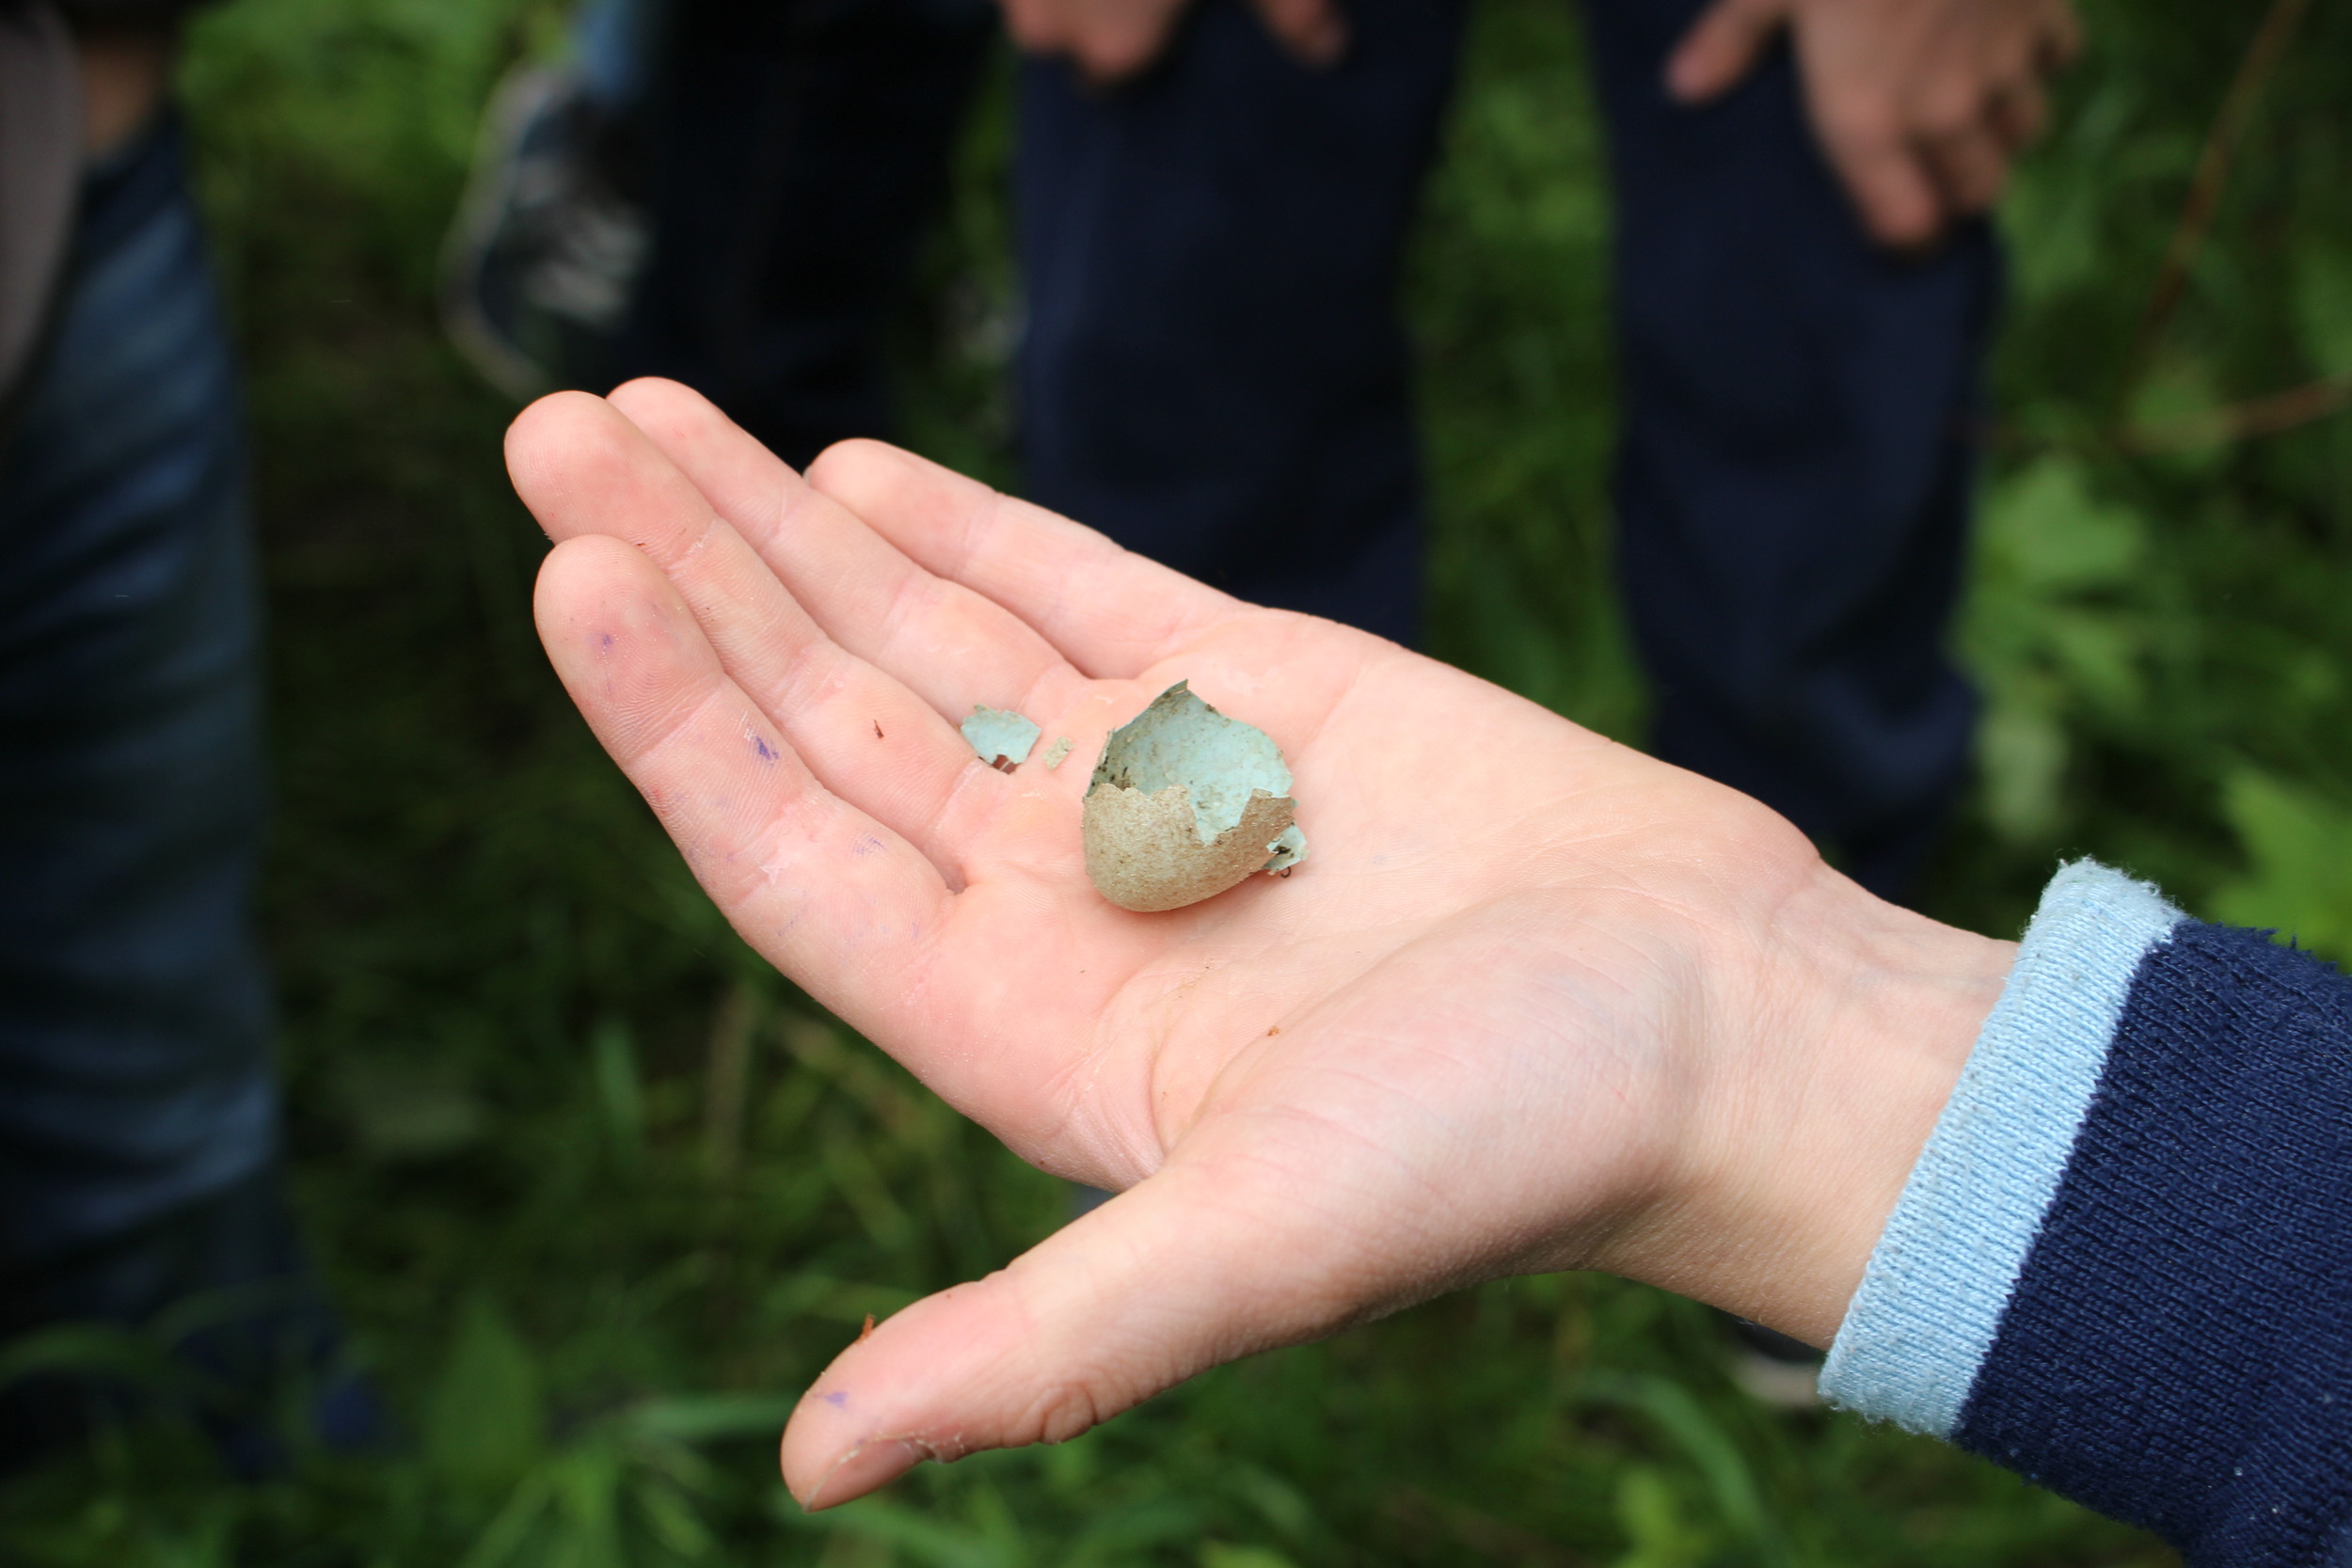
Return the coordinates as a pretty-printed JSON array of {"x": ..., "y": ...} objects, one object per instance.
[
  {"x": 762, "y": 750},
  {"x": 837, "y": 1399},
  {"x": 605, "y": 641},
  {"x": 867, "y": 846}
]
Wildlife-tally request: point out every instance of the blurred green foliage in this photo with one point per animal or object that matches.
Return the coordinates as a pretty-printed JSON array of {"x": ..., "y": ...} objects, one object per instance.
[{"x": 599, "y": 1194}]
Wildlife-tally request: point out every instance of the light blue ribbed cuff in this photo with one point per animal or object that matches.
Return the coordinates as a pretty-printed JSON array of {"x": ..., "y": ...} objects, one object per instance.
[{"x": 1932, "y": 1296}]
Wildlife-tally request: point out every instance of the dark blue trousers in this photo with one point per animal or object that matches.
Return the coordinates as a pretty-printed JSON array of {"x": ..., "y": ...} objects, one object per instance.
[
  {"x": 138, "y": 1107},
  {"x": 795, "y": 149},
  {"x": 1216, "y": 374}
]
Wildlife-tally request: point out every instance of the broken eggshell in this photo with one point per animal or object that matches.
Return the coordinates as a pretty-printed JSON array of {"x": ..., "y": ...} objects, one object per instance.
[
  {"x": 1002, "y": 738},
  {"x": 1185, "y": 803}
]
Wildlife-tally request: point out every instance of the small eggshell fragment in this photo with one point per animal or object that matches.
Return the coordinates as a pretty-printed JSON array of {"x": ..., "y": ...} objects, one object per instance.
[
  {"x": 1187, "y": 802},
  {"x": 1056, "y": 752},
  {"x": 999, "y": 736}
]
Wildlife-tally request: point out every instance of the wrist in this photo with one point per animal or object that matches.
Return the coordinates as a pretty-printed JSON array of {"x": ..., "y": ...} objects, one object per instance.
[{"x": 1834, "y": 1038}]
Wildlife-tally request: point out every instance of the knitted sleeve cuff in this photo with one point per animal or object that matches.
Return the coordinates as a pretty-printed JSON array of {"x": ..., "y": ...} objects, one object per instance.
[{"x": 1932, "y": 1298}]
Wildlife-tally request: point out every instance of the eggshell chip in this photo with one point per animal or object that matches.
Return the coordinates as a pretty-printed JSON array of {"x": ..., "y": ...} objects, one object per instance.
[
  {"x": 1001, "y": 738},
  {"x": 1185, "y": 803}
]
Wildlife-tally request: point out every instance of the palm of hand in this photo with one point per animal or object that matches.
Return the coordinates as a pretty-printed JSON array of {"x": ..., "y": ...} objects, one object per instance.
[{"x": 1315, "y": 1094}]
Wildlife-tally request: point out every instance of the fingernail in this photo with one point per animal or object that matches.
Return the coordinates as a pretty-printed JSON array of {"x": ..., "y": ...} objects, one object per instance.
[{"x": 862, "y": 1469}]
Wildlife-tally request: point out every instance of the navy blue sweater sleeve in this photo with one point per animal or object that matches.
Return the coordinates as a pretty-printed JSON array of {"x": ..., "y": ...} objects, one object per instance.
[
  {"x": 2168, "y": 1335},
  {"x": 2178, "y": 1349}
]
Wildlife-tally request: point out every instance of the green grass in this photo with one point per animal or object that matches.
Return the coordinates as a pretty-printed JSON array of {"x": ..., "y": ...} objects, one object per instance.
[{"x": 599, "y": 1194}]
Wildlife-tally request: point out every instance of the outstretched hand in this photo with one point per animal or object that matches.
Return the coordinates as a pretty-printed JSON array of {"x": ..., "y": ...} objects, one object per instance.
[{"x": 1536, "y": 1002}]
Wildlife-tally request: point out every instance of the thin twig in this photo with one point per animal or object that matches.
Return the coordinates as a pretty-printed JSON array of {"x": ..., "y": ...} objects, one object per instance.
[
  {"x": 2229, "y": 123},
  {"x": 2239, "y": 421}
]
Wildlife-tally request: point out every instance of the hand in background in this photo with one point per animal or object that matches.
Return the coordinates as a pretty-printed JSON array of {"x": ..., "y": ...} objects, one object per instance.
[
  {"x": 1113, "y": 40},
  {"x": 1920, "y": 104},
  {"x": 125, "y": 75},
  {"x": 1535, "y": 1001}
]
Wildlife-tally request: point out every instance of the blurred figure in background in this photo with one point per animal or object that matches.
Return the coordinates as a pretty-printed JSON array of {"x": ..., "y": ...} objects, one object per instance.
[{"x": 138, "y": 1110}]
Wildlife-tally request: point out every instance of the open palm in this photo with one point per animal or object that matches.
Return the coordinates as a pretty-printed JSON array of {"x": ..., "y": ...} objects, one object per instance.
[{"x": 1471, "y": 1035}]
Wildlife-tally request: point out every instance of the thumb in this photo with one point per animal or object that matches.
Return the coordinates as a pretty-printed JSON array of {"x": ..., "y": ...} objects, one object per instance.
[
  {"x": 1721, "y": 46},
  {"x": 1314, "y": 31},
  {"x": 1203, "y": 1263}
]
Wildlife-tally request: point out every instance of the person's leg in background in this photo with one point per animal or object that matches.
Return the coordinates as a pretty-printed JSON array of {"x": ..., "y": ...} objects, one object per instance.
[
  {"x": 1214, "y": 373},
  {"x": 797, "y": 149},
  {"x": 1793, "y": 492},
  {"x": 1794, "y": 477},
  {"x": 138, "y": 1112}
]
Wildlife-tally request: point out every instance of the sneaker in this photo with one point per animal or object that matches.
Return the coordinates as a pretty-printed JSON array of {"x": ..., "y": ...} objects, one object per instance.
[{"x": 545, "y": 255}]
